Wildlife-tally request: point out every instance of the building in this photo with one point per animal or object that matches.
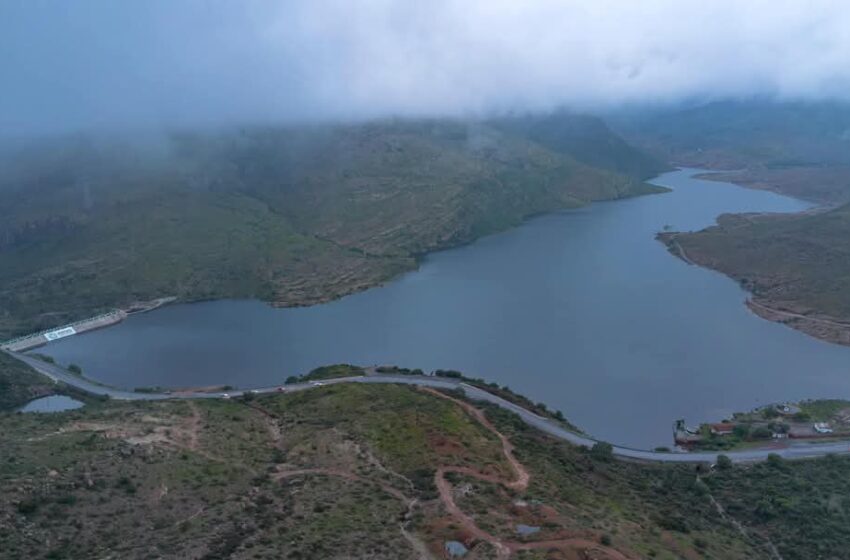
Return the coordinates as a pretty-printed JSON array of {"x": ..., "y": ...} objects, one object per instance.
[{"x": 722, "y": 429}]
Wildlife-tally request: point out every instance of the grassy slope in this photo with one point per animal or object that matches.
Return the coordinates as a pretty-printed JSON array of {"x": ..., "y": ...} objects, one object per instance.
[
  {"x": 800, "y": 262},
  {"x": 20, "y": 384},
  {"x": 292, "y": 216},
  {"x": 799, "y": 149},
  {"x": 209, "y": 480}
]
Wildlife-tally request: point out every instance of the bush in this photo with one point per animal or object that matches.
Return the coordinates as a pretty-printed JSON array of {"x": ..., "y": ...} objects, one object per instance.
[
  {"x": 27, "y": 507},
  {"x": 802, "y": 417},
  {"x": 602, "y": 451},
  {"x": 605, "y": 540},
  {"x": 75, "y": 369},
  {"x": 724, "y": 462},
  {"x": 761, "y": 433},
  {"x": 774, "y": 460},
  {"x": 741, "y": 431}
]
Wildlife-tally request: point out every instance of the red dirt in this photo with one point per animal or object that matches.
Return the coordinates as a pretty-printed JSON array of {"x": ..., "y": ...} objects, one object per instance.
[{"x": 575, "y": 547}]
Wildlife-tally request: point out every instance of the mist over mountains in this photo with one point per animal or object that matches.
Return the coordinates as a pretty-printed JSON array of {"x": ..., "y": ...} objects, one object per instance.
[{"x": 108, "y": 65}]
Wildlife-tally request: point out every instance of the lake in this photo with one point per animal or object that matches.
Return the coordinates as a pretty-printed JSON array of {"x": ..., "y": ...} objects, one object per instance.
[{"x": 583, "y": 310}]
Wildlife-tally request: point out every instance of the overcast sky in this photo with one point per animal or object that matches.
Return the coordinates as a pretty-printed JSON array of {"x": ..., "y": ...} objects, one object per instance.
[{"x": 112, "y": 63}]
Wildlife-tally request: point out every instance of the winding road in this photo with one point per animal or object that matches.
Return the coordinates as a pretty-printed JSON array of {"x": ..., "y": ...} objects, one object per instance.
[{"x": 795, "y": 451}]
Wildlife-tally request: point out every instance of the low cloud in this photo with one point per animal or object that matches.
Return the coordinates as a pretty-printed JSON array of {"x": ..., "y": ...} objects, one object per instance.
[{"x": 102, "y": 64}]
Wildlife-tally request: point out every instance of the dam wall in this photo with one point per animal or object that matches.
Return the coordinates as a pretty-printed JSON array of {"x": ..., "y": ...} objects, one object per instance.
[{"x": 30, "y": 341}]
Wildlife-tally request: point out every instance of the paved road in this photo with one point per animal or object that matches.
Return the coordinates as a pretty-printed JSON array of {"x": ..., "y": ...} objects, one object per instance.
[{"x": 795, "y": 451}]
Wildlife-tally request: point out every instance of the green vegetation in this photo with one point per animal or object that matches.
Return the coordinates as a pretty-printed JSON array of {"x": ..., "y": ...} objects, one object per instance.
[
  {"x": 290, "y": 216},
  {"x": 20, "y": 384},
  {"x": 306, "y": 474},
  {"x": 328, "y": 372},
  {"x": 798, "y": 264},
  {"x": 825, "y": 410},
  {"x": 803, "y": 506},
  {"x": 774, "y": 424},
  {"x": 796, "y": 148}
]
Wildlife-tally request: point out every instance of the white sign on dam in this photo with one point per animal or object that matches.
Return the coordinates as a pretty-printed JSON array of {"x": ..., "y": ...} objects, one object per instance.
[{"x": 61, "y": 333}]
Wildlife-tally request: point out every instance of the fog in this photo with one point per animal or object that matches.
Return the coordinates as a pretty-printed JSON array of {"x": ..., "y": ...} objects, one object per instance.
[{"x": 107, "y": 64}]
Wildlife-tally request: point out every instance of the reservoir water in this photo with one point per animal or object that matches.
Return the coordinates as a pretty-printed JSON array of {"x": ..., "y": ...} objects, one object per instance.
[{"x": 583, "y": 310}]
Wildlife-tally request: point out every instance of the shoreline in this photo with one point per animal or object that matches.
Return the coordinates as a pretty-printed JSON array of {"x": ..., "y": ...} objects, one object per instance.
[
  {"x": 827, "y": 329},
  {"x": 547, "y": 425},
  {"x": 294, "y": 297}
]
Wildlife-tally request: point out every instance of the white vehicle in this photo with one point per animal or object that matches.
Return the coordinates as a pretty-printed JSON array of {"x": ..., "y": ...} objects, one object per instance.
[
  {"x": 317, "y": 383},
  {"x": 225, "y": 395},
  {"x": 822, "y": 428}
]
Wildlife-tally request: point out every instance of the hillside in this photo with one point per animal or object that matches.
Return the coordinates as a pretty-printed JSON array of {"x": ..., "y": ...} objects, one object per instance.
[
  {"x": 796, "y": 265},
  {"x": 19, "y": 384},
  {"x": 293, "y": 216},
  {"x": 383, "y": 471},
  {"x": 795, "y": 148}
]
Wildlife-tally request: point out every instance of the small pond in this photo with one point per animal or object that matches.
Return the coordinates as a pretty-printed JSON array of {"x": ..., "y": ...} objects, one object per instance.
[{"x": 53, "y": 403}]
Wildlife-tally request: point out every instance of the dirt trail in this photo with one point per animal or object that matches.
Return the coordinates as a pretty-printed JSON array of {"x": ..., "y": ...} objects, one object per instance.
[
  {"x": 774, "y": 552},
  {"x": 520, "y": 483},
  {"x": 504, "y": 549}
]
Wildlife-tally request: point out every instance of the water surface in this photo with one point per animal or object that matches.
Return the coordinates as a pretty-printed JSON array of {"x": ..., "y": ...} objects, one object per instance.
[
  {"x": 582, "y": 310},
  {"x": 53, "y": 403}
]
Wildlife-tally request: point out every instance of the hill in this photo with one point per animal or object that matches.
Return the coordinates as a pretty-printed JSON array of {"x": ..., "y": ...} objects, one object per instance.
[
  {"x": 797, "y": 266},
  {"x": 383, "y": 471},
  {"x": 19, "y": 384},
  {"x": 293, "y": 216},
  {"x": 796, "y": 148}
]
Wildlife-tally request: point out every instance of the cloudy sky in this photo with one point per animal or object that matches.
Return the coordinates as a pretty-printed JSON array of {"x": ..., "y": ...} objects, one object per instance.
[{"x": 112, "y": 63}]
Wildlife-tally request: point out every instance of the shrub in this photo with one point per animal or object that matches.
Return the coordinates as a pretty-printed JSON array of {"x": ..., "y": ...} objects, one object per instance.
[
  {"x": 802, "y": 416},
  {"x": 724, "y": 462},
  {"x": 774, "y": 460},
  {"x": 602, "y": 451},
  {"x": 761, "y": 433},
  {"x": 75, "y": 369}
]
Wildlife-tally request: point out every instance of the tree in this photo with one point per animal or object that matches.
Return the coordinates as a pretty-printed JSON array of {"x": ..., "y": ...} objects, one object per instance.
[
  {"x": 769, "y": 412},
  {"x": 75, "y": 369},
  {"x": 602, "y": 451},
  {"x": 762, "y": 433},
  {"x": 741, "y": 430},
  {"x": 774, "y": 460},
  {"x": 724, "y": 462}
]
